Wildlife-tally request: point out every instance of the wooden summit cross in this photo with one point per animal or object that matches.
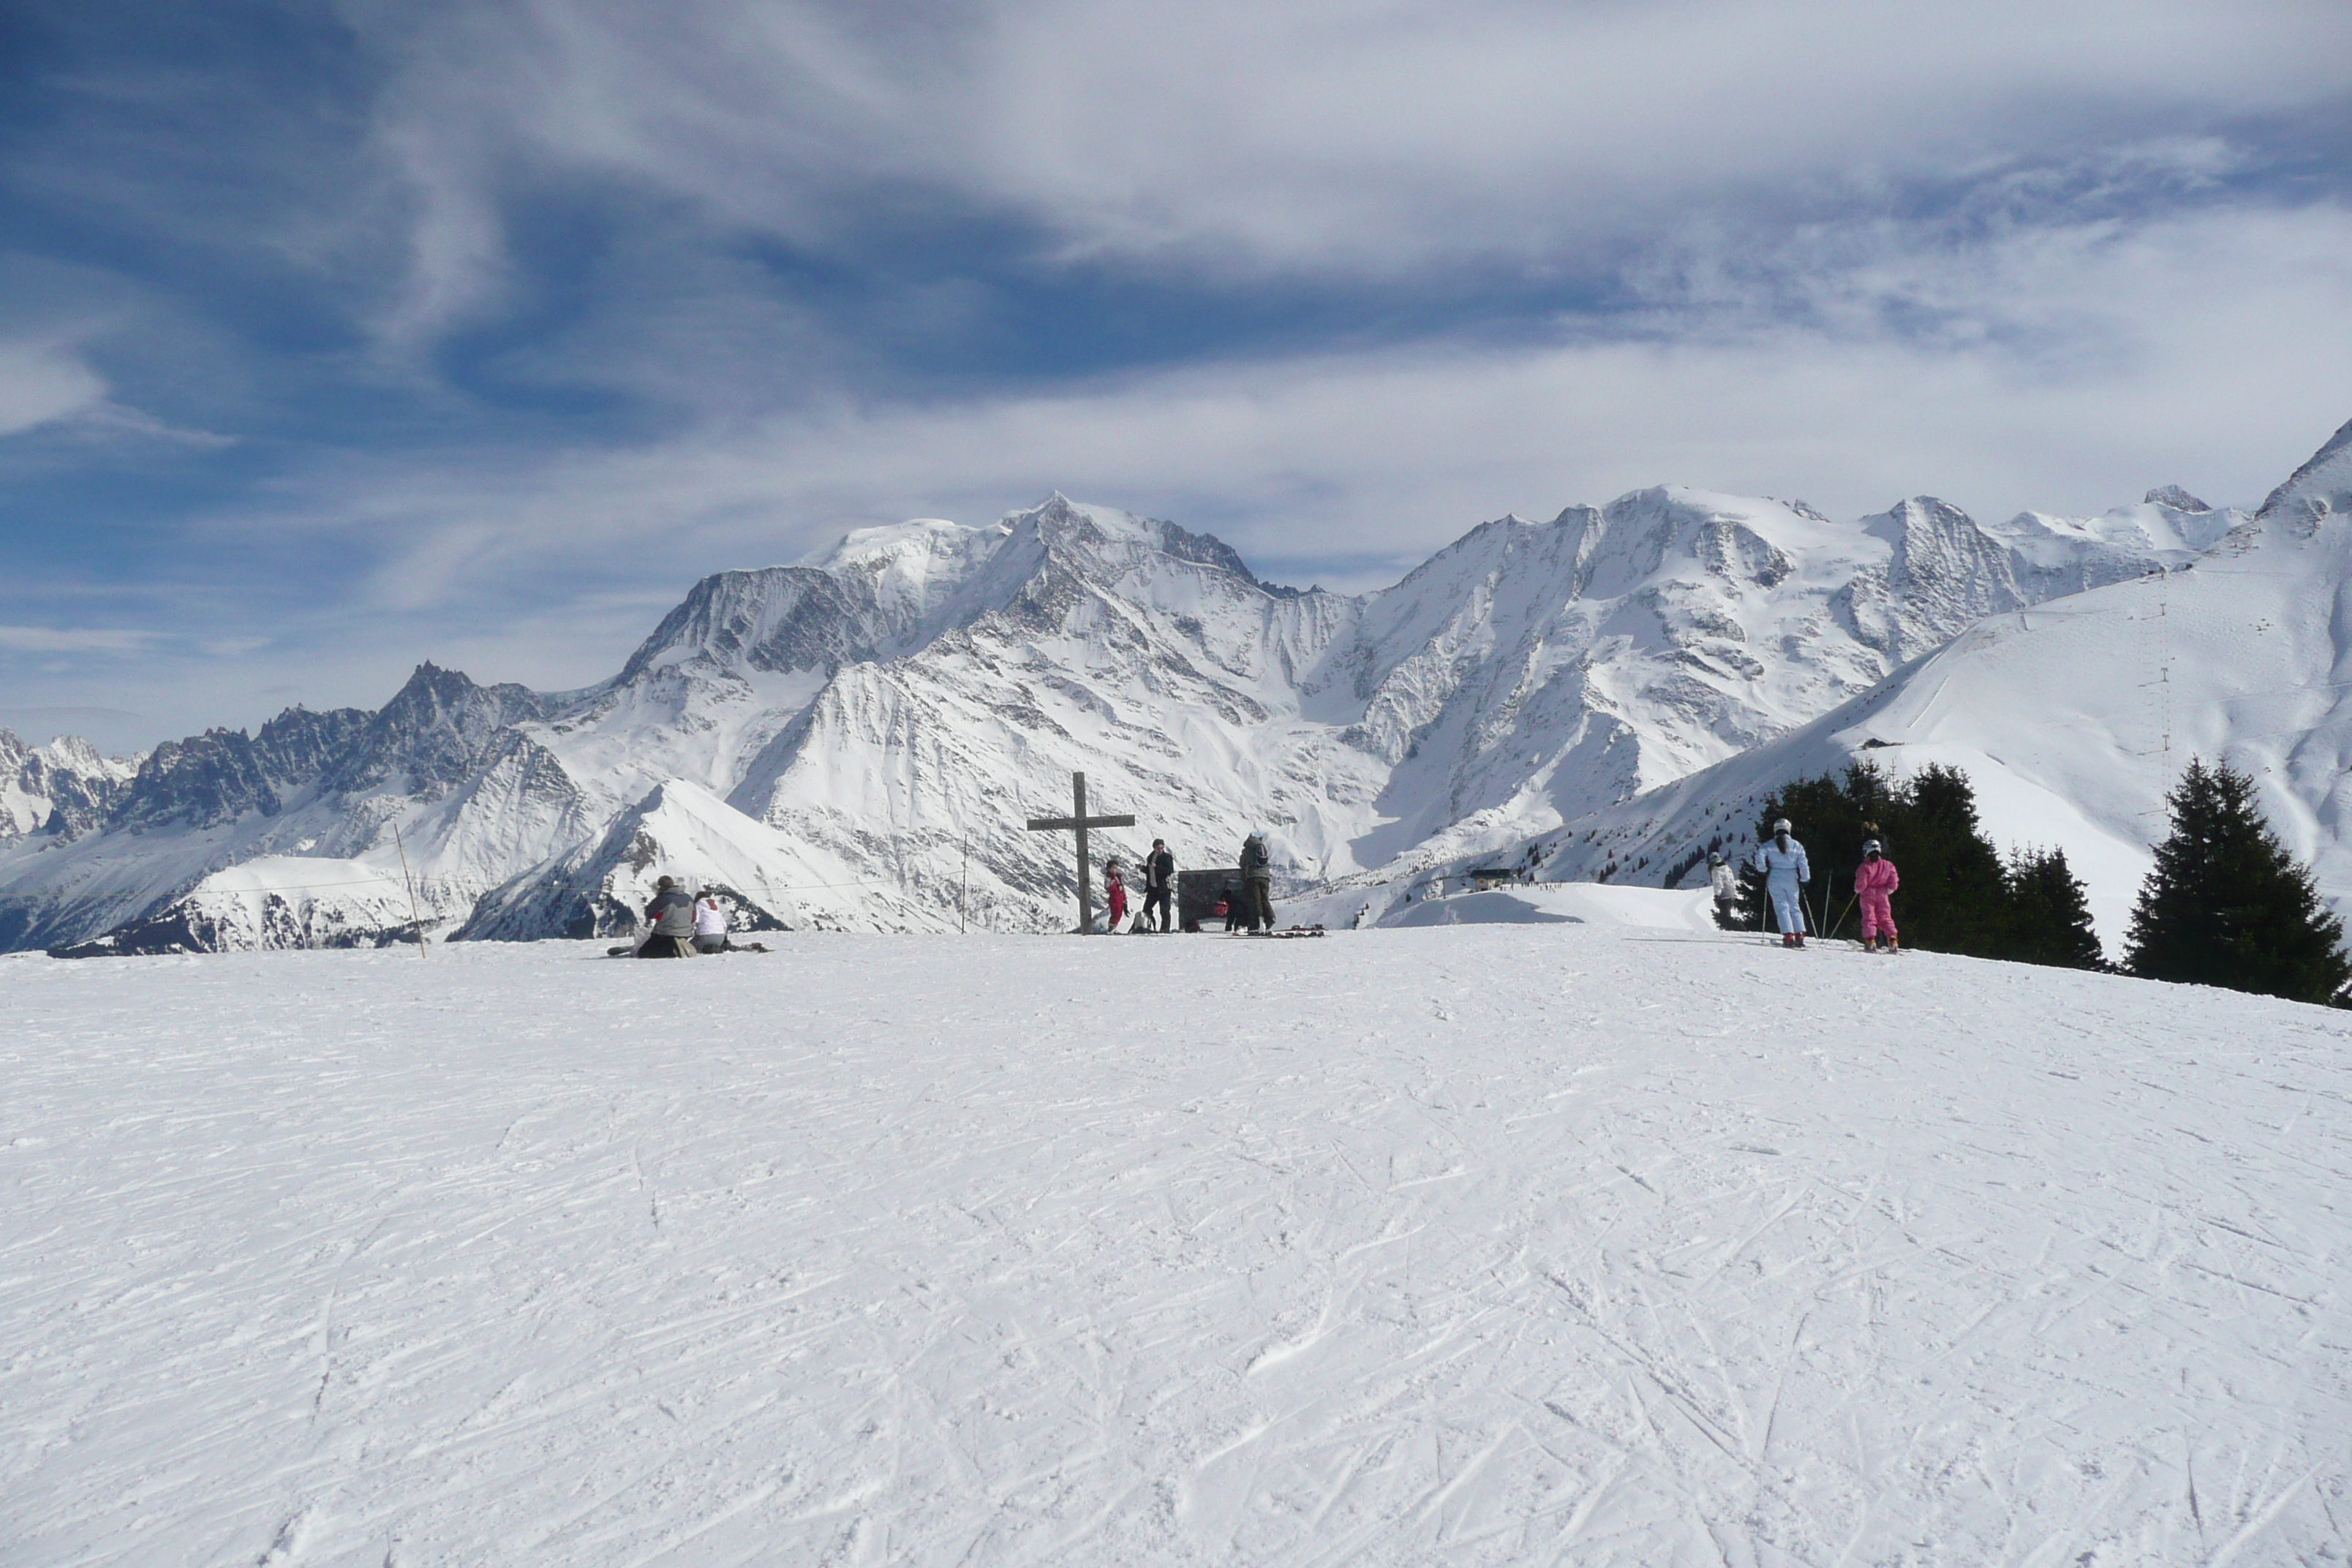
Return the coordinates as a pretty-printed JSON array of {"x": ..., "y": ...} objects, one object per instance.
[{"x": 1081, "y": 821}]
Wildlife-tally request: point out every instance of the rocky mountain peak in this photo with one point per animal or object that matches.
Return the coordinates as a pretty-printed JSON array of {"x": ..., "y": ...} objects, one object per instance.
[
  {"x": 773, "y": 618},
  {"x": 2174, "y": 497},
  {"x": 64, "y": 788},
  {"x": 435, "y": 731}
]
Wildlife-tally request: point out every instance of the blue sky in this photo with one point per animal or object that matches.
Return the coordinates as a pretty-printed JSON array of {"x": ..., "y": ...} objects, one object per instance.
[{"x": 337, "y": 337}]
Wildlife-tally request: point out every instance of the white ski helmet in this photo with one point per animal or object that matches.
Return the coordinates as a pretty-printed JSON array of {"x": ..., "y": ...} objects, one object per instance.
[{"x": 1780, "y": 826}]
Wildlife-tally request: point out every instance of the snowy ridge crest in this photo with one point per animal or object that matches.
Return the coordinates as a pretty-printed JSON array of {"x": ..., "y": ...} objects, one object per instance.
[{"x": 854, "y": 741}]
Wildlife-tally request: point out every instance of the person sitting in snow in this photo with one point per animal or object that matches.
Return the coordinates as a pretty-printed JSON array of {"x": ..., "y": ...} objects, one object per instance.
[
  {"x": 671, "y": 915},
  {"x": 1874, "y": 880},
  {"x": 1114, "y": 895},
  {"x": 1781, "y": 859},
  {"x": 710, "y": 924}
]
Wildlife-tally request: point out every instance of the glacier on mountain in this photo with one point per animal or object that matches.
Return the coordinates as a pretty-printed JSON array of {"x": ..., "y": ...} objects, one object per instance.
[{"x": 853, "y": 742}]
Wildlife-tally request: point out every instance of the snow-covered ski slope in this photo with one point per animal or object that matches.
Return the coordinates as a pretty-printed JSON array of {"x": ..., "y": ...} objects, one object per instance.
[
  {"x": 2073, "y": 718},
  {"x": 1595, "y": 1243},
  {"x": 885, "y": 716}
]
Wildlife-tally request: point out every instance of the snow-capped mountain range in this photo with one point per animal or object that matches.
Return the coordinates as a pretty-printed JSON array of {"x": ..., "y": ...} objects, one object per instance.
[
  {"x": 2073, "y": 718},
  {"x": 856, "y": 741}
]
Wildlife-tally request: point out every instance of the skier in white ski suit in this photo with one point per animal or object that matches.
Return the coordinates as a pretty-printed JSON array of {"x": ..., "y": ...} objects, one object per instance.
[{"x": 1782, "y": 860}]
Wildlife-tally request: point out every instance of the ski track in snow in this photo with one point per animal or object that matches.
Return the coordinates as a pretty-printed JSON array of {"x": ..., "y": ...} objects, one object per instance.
[{"x": 1490, "y": 1244}]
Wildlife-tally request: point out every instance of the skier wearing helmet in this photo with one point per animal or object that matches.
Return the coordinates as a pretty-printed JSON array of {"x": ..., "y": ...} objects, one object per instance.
[
  {"x": 1781, "y": 859},
  {"x": 1874, "y": 880}
]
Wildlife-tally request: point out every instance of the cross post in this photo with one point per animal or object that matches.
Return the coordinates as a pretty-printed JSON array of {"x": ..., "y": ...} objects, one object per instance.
[{"x": 1079, "y": 820}]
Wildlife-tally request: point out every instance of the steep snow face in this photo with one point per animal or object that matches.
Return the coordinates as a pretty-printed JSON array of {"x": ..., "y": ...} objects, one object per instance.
[
  {"x": 1532, "y": 672},
  {"x": 882, "y": 716},
  {"x": 64, "y": 788},
  {"x": 2321, "y": 486},
  {"x": 2054, "y": 555},
  {"x": 2075, "y": 718},
  {"x": 1144, "y": 656},
  {"x": 597, "y": 890},
  {"x": 272, "y": 901}
]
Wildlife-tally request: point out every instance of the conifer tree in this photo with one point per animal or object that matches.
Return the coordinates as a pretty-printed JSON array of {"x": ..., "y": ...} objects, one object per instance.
[
  {"x": 1952, "y": 873},
  {"x": 2227, "y": 905},
  {"x": 2049, "y": 913}
]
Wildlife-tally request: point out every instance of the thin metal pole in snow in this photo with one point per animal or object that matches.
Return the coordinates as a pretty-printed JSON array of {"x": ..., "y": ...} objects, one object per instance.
[{"x": 415, "y": 921}]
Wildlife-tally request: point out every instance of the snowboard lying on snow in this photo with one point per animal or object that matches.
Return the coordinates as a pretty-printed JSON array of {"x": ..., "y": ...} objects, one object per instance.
[{"x": 630, "y": 951}]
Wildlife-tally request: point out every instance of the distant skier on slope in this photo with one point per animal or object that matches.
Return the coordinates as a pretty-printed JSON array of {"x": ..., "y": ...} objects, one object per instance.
[
  {"x": 1726, "y": 883},
  {"x": 1159, "y": 881},
  {"x": 710, "y": 924},
  {"x": 1114, "y": 896},
  {"x": 1786, "y": 870},
  {"x": 671, "y": 914},
  {"x": 1874, "y": 880},
  {"x": 1257, "y": 882}
]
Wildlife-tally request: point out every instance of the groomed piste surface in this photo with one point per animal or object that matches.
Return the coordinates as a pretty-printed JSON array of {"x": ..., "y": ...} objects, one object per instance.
[{"x": 1595, "y": 1243}]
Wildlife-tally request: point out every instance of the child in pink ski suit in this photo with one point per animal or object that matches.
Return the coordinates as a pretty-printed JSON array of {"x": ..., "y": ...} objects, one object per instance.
[
  {"x": 1874, "y": 880},
  {"x": 1114, "y": 896}
]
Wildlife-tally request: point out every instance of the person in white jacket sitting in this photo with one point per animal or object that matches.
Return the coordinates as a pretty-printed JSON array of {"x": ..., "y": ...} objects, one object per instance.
[{"x": 710, "y": 925}]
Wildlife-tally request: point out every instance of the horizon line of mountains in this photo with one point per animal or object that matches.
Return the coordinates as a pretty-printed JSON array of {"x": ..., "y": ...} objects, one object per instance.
[{"x": 829, "y": 742}]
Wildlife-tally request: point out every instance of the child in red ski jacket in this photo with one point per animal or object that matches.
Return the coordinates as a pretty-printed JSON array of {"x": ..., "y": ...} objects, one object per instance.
[{"x": 1114, "y": 895}]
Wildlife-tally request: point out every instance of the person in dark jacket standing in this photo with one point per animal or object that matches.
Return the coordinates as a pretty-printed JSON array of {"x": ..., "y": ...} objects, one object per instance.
[
  {"x": 1257, "y": 882},
  {"x": 1159, "y": 879},
  {"x": 671, "y": 914}
]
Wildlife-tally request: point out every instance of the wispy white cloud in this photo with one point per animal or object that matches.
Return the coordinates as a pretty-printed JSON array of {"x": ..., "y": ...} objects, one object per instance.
[
  {"x": 562, "y": 321},
  {"x": 2059, "y": 369},
  {"x": 113, "y": 641},
  {"x": 43, "y": 381},
  {"x": 1314, "y": 135}
]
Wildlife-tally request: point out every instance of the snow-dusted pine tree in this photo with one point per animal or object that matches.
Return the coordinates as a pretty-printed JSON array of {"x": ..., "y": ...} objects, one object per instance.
[{"x": 2227, "y": 905}]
